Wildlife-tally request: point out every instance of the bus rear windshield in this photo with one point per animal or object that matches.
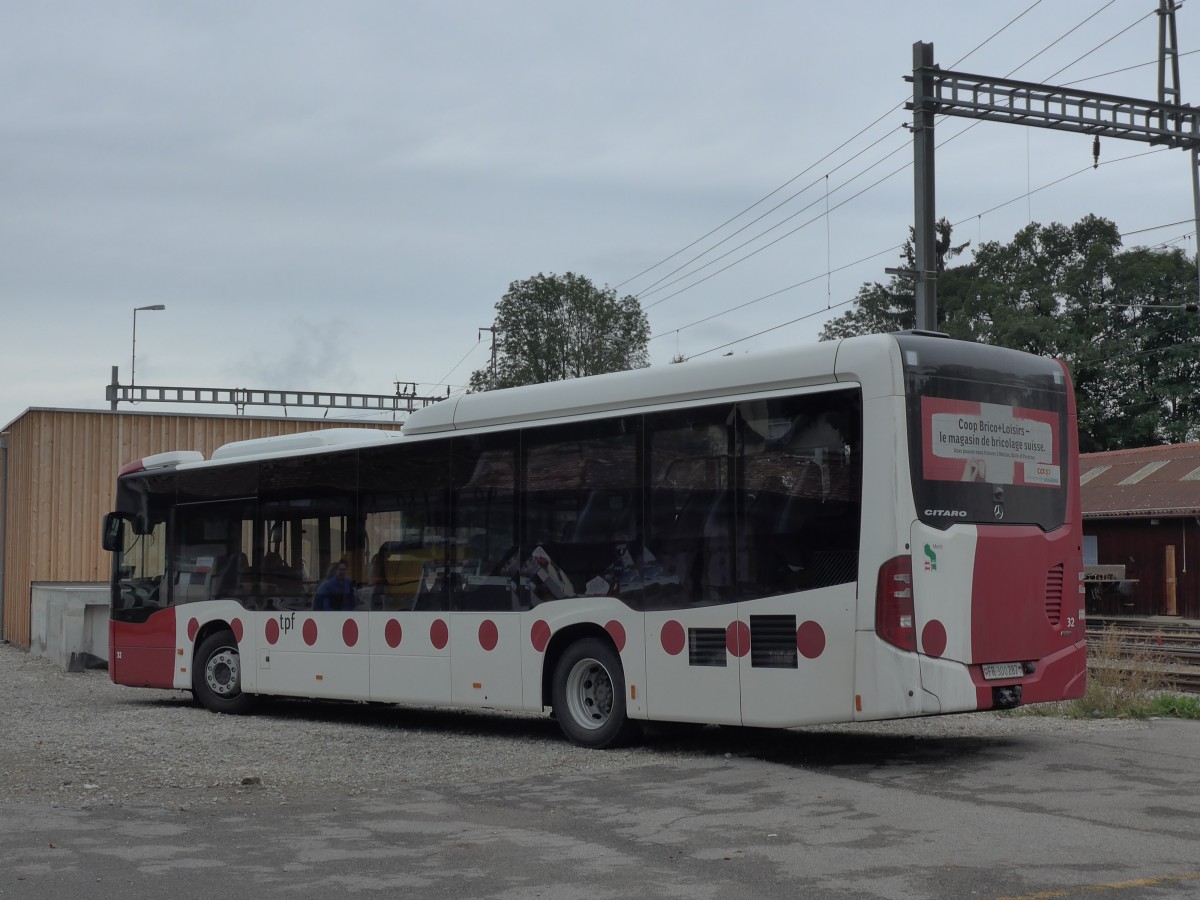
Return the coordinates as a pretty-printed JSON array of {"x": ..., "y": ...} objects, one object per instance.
[{"x": 987, "y": 434}]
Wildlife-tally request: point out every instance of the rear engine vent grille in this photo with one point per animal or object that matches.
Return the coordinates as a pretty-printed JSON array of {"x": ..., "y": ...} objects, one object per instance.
[
  {"x": 773, "y": 642},
  {"x": 1054, "y": 595},
  {"x": 706, "y": 646}
]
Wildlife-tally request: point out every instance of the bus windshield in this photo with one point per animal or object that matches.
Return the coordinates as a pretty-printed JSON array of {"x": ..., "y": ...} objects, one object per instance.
[
  {"x": 140, "y": 565},
  {"x": 987, "y": 434}
]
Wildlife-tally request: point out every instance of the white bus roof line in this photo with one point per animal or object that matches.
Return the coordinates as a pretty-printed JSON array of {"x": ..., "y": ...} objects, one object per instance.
[
  {"x": 606, "y": 394},
  {"x": 308, "y": 441}
]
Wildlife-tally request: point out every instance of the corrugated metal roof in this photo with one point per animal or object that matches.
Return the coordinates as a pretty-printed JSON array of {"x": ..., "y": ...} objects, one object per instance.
[
  {"x": 1148, "y": 481},
  {"x": 1143, "y": 473}
]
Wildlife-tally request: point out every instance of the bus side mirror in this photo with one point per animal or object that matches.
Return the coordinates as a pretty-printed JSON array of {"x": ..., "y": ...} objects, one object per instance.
[{"x": 113, "y": 537}]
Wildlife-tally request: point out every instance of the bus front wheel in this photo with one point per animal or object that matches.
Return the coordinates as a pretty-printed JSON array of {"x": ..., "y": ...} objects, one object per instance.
[
  {"x": 588, "y": 695},
  {"x": 217, "y": 675}
]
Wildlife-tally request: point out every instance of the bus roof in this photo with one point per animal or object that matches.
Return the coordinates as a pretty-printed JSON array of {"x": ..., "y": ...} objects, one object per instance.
[
  {"x": 328, "y": 439},
  {"x": 725, "y": 376},
  {"x": 798, "y": 367}
]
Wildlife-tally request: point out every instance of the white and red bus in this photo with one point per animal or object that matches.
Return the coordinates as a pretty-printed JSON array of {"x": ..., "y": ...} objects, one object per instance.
[{"x": 873, "y": 528}]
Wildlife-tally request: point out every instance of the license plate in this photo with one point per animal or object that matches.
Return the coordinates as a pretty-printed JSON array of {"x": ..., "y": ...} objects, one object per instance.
[{"x": 1002, "y": 670}]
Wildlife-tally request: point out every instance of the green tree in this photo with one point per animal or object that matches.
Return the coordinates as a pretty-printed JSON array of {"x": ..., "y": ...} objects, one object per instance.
[
  {"x": 879, "y": 308},
  {"x": 1153, "y": 351},
  {"x": 555, "y": 327},
  {"x": 1072, "y": 292}
]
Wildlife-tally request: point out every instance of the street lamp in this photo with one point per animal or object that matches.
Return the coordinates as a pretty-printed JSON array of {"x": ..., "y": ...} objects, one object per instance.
[{"x": 133, "y": 355}]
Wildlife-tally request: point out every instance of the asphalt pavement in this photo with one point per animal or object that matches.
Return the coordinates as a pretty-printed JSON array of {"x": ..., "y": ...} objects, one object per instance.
[{"x": 1053, "y": 810}]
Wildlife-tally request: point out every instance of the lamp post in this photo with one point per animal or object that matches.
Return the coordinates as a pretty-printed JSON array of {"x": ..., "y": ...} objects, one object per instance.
[{"x": 133, "y": 354}]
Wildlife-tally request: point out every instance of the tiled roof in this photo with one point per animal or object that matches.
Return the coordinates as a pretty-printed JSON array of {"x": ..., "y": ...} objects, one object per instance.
[{"x": 1148, "y": 481}]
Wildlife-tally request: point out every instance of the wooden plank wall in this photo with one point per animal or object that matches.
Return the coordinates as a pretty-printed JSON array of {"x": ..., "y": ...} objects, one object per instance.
[{"x": 62, "y": 470}]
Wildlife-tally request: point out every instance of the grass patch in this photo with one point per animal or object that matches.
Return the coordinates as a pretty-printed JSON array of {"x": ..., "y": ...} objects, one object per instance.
[
  {"x": 1124, "y": 681},
  {"x": 1176, "y": 706}
]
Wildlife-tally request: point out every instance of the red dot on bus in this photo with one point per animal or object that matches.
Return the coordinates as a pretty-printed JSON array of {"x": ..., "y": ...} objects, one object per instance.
[
  {"x": 737, "y": 639},
  {"x": 392, "y": 633},
  {"x": 810, "y": 640},
  {"x": 489, "y": 635},
  {"x": 672, "y": 638},
  {"x": 439, "y": 634},
  {"x": 272, "y": 631},
  {"x": 193, "y": 627},
  {"x": 539, "y": 635},
  {"x": 310, "y": 632},
  {"x": 350, "y": 632},
  {"x": 616, "y": 631},
  {"x": 238, "y": 629},
  {"x": 933, "y": 638}
]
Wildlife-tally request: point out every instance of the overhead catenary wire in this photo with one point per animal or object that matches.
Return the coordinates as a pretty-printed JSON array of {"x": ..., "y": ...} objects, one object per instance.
[
  {"x": 1062, "y": 37},
  {"x": 780, "y": 238},
  {"x": 658, "y": 285},
  {"x": 817, "y": 277},
  {"x": 768, "y": 330},
  {"x": 790, "y": 287},
  {"x": 760, "y": 200},
  {"x": 778, "y": 224},
  {"x": 655, "y": 287},
  {"x": 1171, "y": 242},
  {"x": 1157, "y": 227},
  {"x": 829, "y": 268},
  {"x": 1152, "y": 62},
  {"x": 844, "y": 202},
  {"x": 1064, "y": 68},
  {"x": 474, "y": 347},
  {"x": 1101, "y": 44},
  {"x": 828, "y": 155},
  {"x": 958, "y": 62},
  {"x": 1088, "y": 168}
]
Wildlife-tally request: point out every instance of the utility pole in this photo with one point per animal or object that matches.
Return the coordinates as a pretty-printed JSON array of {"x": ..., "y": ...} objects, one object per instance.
[
  {"x": 924, "y": 233},
  {"x": 1169, "y": 93},
  {"x": 478, "y": 336}
]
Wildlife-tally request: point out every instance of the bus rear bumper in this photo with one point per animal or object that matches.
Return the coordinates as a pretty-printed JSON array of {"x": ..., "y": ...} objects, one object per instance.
[{"x": 1059, "y": 676}]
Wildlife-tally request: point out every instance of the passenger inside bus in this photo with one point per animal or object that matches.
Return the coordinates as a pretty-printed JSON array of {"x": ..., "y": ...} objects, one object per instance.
[{"x": 336, "y": 592}]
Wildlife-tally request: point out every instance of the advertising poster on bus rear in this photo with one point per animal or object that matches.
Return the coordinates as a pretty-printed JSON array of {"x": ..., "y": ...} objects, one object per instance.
[{"x": 989, "y": 442}]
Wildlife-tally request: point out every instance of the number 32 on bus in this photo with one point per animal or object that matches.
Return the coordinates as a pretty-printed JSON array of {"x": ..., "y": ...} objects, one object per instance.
[{"x": 873, "y": 528}]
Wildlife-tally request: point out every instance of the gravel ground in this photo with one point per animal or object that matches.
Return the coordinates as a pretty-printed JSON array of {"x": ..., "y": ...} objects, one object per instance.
[{"x": 79, "y": 740}]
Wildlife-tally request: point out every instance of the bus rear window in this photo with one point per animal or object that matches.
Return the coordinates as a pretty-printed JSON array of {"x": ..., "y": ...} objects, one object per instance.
[{"x": 987, "y": 435}]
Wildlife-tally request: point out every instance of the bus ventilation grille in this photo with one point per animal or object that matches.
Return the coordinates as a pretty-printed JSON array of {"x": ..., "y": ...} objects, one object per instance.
[
  {"x": 706, "y": 646},
  {"x": 1054, "y": 595},
  {"x": 773, "y": 642}
]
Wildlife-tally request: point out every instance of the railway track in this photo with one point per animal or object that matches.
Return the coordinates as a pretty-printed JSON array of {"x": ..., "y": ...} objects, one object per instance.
[{"x": 1175, "y": 647}]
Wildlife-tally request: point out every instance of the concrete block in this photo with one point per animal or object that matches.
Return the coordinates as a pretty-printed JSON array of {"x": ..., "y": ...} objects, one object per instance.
[{"x": 69, "y": 624}]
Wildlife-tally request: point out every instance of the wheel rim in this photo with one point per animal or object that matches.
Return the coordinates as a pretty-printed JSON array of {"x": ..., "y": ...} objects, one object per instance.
[
  {"x": 589, "y": 694},
  {"x": 223, "y": 673}
]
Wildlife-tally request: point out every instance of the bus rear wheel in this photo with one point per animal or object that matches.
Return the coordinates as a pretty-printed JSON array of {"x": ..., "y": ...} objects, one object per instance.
[
  {"x": 217, "y": 675},
  {"x": 588, "y": 695}
]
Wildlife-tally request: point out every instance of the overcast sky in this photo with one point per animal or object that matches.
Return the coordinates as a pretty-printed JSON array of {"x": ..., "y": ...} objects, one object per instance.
[{"x": 334, "y": 196}]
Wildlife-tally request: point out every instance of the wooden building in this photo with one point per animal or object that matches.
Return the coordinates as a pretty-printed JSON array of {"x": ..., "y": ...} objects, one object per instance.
[
  {"x": 1141, "y": 525},
  {"x": 58, "y": 471}
]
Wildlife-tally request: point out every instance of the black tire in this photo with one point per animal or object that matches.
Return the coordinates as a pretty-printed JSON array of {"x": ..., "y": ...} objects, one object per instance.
[
  {"x": 217, "y": 675},
  {"x": 588, "y": 695}
]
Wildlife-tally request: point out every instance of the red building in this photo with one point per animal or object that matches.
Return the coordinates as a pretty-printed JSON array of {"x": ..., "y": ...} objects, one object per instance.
[{"x": 1141, "y": 525}]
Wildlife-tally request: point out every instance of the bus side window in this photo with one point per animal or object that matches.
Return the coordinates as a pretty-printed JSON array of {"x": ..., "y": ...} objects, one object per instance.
[
  {"x": 581, "y": 521},
  {"x": 481, "y": 571},
  {"x": 800, "y": 482},
  {"x": 690, "y": 528}
]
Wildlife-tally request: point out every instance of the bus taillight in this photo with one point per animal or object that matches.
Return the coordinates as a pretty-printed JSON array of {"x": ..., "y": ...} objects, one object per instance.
[{"x": 894, "y": 604}]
